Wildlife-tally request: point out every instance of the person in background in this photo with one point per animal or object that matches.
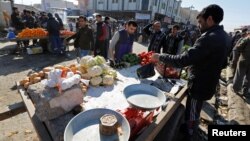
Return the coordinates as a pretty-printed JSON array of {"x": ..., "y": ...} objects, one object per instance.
[
  {"x": 70, "y": 25},
  {"x": 100, "y": 37},
  {"x": 30, "y": 23},
  {"x": 235, "y": 53},
  {"x": 17, "y": 22},
  {"x": 206, "y": 58},
  {"x": 243, "y": 66},
  {"x": 25, "y": 19},
  {"x": 108, "y": 35},
  {"x": 59, "y": 20},
  {"x": 84, "y": 39},
  {"x": 122, "y": 42},
  {"x": 157, "y": 37},
  {"x": 174, "y": 42},
  {"x": 53, "y": 28},
  {"x": 43, "y": 20}
]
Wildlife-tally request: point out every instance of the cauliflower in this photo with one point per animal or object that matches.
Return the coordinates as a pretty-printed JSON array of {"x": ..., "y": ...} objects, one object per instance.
[
  {"x": 94, "y": 71},
  {"x": 105, "y": 68},
  {"x": 108, "y": 80},
  {"x": 87, "y": 61},
  {"x": 112, "y": 73},
  {"x": 96, "y": 81},
  {"x": 100, "y": 60}
]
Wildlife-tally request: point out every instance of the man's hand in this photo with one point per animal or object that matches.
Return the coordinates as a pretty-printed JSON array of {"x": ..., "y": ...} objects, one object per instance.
[{"x": 155, "y": 57}]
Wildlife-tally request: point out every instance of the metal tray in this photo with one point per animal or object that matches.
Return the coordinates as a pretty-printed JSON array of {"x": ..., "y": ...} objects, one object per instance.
[
  {"x": 85, "y": 127},
  {"x": 144, "y": 96}
]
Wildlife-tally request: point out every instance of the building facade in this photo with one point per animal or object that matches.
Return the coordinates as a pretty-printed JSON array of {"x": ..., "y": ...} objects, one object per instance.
[
  {"x": 163, "y": 10},
  {"x": 188, "y": 16},
  {"x": 47, "y": 4}
]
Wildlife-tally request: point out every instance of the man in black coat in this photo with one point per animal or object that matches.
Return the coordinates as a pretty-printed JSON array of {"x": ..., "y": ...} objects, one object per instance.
[
  {"x": 16, "y": 22},
  {"x": 157, "y": 37},
  {"x": 100, "y": 37},
  {"x": 206, "y": 58},
  {"x": 53, "y": 28}
]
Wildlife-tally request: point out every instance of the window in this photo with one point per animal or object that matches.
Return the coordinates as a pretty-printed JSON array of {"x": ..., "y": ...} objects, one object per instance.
[
  {"x": 100, "y": 2},
  {"x": 163, "y": 6},
  {"x": 132, "y": 1},
  {"x": 155, "y": 2},
  {"x": 114, "y": 1}
]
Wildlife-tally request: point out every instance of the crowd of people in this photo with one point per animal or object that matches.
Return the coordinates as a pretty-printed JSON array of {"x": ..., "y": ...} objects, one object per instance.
[{"x": 30, "y": 19}]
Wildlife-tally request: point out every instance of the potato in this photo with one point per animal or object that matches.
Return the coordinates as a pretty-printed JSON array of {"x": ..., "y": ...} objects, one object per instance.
[
  {"x": 73, "y": 69},
  {"x": 26, "y": 85},
  {"x": 41, "y": 74},
  {"x": 34, "y": 75},
  {"x": 37, "y": 79},
  {"x": 58, "y": 66},
  {"x": 22, "y": 82},
  {"x": 47, "y": 69},
  {"x": 72, "y": 65}
]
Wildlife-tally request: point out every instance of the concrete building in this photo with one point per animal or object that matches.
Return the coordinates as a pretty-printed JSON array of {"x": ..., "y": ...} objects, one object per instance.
[
  {"x": 4, "y": 6},
  {"x": 164, "y": 10},
  {"x": 47, "y": 4},
  {"x": 188, "y": 15}
]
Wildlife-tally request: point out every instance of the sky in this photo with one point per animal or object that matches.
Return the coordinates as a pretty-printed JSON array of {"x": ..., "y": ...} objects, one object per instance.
[{"x": 235, "y": 11}]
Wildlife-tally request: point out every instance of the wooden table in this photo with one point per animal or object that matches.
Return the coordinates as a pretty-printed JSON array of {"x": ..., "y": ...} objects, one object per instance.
[{"x": 46, "y": 130}]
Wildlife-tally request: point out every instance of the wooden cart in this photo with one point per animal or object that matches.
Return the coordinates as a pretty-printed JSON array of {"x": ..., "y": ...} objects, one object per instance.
[{"x": 50, "y": 130}]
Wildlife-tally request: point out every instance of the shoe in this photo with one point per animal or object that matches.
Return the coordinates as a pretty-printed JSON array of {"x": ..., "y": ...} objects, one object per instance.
[{"x": 247, "y": 95}]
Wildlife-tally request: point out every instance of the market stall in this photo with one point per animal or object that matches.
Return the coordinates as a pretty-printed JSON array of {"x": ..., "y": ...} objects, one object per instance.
[
  {"x": 66, "y": 101},
  {"x": 39, "y": 34}
]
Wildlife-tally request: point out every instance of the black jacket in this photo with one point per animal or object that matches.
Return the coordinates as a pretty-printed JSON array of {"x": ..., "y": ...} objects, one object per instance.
[
  {"x": 17, "y": 21},
  {"x": 206, "y": 58},
  {"x": 83, "y": 38},
  {"x": 157, "y": 40},
  {"x": 53, "y": 27},
  {"x": 172, "y": 49}
]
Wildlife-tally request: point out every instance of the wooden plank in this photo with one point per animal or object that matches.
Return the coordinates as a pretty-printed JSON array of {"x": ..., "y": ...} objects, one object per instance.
[
  {"x": 39, "y": 126},
  {"x": 154, "y": 128}
]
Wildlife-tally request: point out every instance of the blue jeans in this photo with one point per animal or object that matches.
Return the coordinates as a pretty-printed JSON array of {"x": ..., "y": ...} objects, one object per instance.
[
  {"x": 82, "y": 52},
  {"x": 56, "y": 44}
]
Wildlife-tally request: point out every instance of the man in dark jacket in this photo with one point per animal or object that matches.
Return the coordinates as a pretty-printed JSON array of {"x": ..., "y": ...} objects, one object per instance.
[
  {"x": 53, "y": 28},
  {"x": 84, "y": 39},
  {"x": 59, "y": 20},
  {"x": 100, "y": 37},
  {"x": 206, "y": 59},
  {"x": 16, "y": 22},
  {"x": 174, "y": 42},
  {"x": 108, "y": 35},
  {"x": 157, "y": 38}
]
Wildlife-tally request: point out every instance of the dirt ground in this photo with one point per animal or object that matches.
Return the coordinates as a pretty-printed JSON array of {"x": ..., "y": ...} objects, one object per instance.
[{"x": 14, "y": 68}]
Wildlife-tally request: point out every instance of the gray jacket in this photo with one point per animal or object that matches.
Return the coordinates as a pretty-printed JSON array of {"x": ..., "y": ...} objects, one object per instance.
[{"x": 243, "y": 47}]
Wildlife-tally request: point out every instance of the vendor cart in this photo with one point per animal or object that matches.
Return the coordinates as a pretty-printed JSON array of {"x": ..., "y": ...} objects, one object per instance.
[{"x": 54, "y": 129}]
